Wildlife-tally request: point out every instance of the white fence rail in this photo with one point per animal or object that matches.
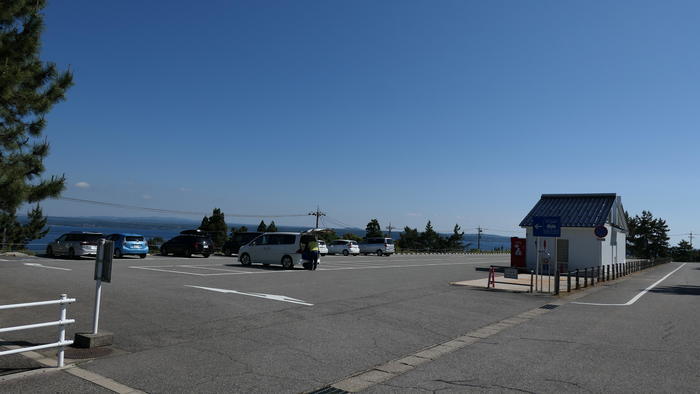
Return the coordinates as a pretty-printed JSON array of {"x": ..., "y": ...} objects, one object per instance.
[{"x": 61, "y": 323}]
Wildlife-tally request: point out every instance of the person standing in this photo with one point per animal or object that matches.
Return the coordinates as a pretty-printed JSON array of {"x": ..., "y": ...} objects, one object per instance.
[{"x": 312, "y": 247}]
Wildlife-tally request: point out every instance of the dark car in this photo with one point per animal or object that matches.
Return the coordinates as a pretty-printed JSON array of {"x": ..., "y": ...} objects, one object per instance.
[
  {"x": 239, "y": 239},
  {"x": 187, "y": 245}
]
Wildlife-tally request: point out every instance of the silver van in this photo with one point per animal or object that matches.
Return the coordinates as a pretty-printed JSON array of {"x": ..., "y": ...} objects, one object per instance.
[
  {"x": 380, "y": 246},
  {"x": 276, "y": 248}
]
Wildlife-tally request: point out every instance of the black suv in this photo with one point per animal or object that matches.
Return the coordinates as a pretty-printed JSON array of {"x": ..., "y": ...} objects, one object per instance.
[
  {"x": 187, "y": 245},
  {"x": 239, "y": 239}
]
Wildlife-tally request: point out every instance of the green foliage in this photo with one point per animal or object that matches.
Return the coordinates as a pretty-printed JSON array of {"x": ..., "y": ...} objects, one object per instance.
[
  {"x": 242, "y": 229},
  {"x": 154, "y": 244},
  {"x": 28, "y": 90},
  {"x": 328, "y": 236},
  {"x": 272, "y": 228},
  {"x": 685, "y": 252},
  {"x": 647, "y": 236},
  {"x": 262, "y": 227},
  {"x": 412, "y": 239},
  {"x": 17, "y": 236},
  {"x": 215, "y": 226},
  {"x": 455, "y": 240},
  {"x": 36, "y": 225},
  {"x": 373, "y": 230},
  {"x": 352, "y": 237}
]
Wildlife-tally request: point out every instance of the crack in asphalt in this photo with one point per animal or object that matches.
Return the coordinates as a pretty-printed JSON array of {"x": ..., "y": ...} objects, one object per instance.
[{"x": 567, "y": 382}]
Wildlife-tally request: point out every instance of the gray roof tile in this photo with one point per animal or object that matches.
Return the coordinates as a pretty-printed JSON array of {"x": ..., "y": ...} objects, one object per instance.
[{"x": 575, "y": 210}]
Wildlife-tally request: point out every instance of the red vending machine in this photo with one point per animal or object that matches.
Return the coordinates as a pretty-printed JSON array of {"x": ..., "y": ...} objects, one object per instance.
[{"x": 517, "y": 251}]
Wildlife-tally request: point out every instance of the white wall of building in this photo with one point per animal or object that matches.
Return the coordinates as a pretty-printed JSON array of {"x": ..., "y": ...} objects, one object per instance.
[{"x": 585, "y": 249}]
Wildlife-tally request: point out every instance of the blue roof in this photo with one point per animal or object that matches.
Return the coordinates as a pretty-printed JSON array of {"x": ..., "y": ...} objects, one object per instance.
[{"x": 575, "y": 210}]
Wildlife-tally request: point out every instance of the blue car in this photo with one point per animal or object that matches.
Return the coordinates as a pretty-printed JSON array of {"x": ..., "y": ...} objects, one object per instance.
[{"x": 129, "y": 244}]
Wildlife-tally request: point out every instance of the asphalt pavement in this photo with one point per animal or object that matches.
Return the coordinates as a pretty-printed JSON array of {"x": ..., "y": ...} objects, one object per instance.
[{"x": 210, "y": 325}]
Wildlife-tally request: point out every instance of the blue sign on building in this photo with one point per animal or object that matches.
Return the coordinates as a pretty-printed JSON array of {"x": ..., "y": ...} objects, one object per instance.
[{"x": 546, "y": 226}]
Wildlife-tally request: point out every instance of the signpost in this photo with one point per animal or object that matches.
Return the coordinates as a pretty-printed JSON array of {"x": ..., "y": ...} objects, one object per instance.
[
  {"x": 103, "y": 273},
  {"x": 546, "y": 226},
  {"x": 601, "y": 232}
]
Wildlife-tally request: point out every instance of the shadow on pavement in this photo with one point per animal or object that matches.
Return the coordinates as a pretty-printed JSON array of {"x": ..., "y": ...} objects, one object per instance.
[{"x": 681, "y": 290}]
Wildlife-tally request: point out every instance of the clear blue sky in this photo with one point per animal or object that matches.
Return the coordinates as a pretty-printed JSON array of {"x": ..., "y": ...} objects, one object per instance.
[{"x": 454, "y": 111}]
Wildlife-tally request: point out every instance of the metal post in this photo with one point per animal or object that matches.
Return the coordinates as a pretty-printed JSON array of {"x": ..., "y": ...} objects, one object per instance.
[
  {"x": 537, "y": 266},
  {"x": 62, "y": 329},
  {"x": 592, "y": 276},
  {"x": 556, "y": 282},
  {"x": 585, "y": 277},
  {"x": 531, "y": 280},
  {"x": 568, "y": 281},
  {"x": 98, "y": 286},
  {"x": 578, "y": 286}
]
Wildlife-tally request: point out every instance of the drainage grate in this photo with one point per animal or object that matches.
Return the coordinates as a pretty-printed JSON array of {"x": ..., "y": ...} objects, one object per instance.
[
  {"x": 329, "y": 390},
  {"x": 549, "y": 306}
]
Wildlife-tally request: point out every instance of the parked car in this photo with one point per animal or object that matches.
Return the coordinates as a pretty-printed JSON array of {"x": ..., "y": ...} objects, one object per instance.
[
  {"x": 74, "y": 244},
  {"x": 129, "y": 244},
  {"x": 188, "y": 244},
  {"x": 276, "y": 248},
  {"x": 380, "y": 246},
  {"x": 344, "y": 246},
  {"x": 322, "y": 248},
  {"x": 239, "y": 239}
]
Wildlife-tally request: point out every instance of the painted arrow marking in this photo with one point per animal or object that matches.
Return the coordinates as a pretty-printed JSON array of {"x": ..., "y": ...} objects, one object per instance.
[
  {"x": 259, "y": 295},
  {"x": 46, "y": 266}
]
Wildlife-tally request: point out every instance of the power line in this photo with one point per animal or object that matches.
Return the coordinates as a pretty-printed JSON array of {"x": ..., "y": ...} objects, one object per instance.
[{"x": 159, "y": 210}]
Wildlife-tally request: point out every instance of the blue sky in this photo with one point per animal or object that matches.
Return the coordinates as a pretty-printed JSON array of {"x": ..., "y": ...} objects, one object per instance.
[{"x": 454, "y": 111}]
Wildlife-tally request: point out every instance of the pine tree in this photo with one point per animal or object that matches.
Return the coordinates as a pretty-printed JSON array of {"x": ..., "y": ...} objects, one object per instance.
[
  {"x": 262, "y": 227},
  {"x": 36, "y": 225},
  {"x": 217, "y": 227},
  {"x": 28, "y": 90},
  {"x": 455, "y": 240},
  {"x": 429, "y": 237},
  {"x": 409, "y": 239},
  {"x": 272, "y": 228},
  {"x": 373, "y": 229}
]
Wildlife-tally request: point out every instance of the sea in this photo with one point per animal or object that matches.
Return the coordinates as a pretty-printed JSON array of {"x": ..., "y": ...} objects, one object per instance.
[{"x": 166, "y": 230}]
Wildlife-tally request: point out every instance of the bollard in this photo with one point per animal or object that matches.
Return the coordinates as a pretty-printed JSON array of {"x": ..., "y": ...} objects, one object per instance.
[
  {"x": 532, "y": 273},
  {"x": 568, "y": 281},
  {"x": 585, "y": 277},
  {"x": 577, "y": 283},
  {"x": 556, "y": 282},
  {"x": 608, "y": 269},
  {"x": 62, "y": 329},
  {"x": 592, "y": 276}
]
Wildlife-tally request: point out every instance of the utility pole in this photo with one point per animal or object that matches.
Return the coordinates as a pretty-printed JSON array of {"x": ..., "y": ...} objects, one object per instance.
[
  {"x": 691, "y": 239},
  {"x": 390, "y": 227},
  {"x": 318, "y": 214},
  {"x": 478, "y": 237}
]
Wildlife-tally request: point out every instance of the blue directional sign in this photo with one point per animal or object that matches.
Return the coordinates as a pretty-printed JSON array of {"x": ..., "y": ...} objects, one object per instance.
[{"x": 546, "y": 226}]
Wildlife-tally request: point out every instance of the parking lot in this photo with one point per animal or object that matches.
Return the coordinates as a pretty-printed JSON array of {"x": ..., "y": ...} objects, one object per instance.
[{"x": 211, "y": 325}]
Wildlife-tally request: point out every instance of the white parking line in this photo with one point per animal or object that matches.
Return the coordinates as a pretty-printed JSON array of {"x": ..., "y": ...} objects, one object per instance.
[
  {"x": 322, "y": 267},
  {"x": 46, "y": 266},
  {"x": 638, "y": 296}
]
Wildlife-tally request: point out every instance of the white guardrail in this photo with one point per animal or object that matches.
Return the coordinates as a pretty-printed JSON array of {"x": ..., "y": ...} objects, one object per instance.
[{"x": 61, "y": 323}]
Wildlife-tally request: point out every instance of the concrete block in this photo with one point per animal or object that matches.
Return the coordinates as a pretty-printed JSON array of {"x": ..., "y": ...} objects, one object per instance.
[
  {"x": 394, "y": 367},
  {"x": 90, "y": 340}
]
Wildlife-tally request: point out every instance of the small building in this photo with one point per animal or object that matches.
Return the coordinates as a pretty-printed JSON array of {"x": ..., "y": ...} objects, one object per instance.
[{"x": 578, "y": 246}]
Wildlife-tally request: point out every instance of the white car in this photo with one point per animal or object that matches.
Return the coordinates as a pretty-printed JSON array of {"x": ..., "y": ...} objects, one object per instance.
[
  {"x": 275, "y": 248},
  {"x": 322, "y": 248},
  {"x": 74, "y": 245},
  {"x": 345, "y": 247}
]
